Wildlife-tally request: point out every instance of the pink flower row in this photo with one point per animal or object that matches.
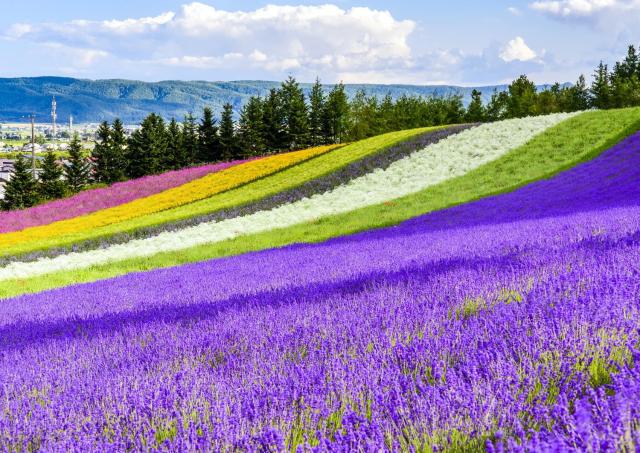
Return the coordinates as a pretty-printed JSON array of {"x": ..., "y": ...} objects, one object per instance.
[{"x": 96, "y": 199}]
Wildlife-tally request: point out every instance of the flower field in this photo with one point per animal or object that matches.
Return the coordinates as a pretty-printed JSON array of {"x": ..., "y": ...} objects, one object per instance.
[
  {"x": 469, "y": 289},
  {"x": 90, "y": 201},
  {"x": 204, "y": 187}
]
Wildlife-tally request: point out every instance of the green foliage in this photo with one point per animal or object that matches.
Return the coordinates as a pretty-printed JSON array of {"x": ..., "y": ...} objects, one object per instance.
[
  {"x": 147, "y": 146},
  {"x": 51, "y": 186},
  {"x": 77, "y": 171},
  {"x": 228, "y": 144},
  {"x": 175, "y": 156},
  {"x": 250, "y": 129},
  {"x": 108, "y": 154},
  {"x": 189, "y": 142},
  {"x": 22, "y": 190},
  {"x": 208, "y": 143},
  {"x": 295, "y": 115},
  {"x": 475, "y": 111}
]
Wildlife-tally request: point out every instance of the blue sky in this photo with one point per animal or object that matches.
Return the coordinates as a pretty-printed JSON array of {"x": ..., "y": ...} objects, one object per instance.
[{"x": 458, "y": 42}]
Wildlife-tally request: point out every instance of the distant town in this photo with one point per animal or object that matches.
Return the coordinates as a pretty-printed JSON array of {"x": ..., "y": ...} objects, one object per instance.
[{"x": 33, "y": 142}]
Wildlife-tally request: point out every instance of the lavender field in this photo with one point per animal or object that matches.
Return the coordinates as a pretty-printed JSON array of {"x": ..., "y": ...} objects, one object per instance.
[{"x": 511, "y": 323}]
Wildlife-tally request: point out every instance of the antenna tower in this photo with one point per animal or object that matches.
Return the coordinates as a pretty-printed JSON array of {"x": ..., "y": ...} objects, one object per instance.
[{"x": 54, "y": 115}]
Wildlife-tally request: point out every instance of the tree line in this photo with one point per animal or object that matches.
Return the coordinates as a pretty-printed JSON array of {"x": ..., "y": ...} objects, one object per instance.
[{"x": 287, "y": 119}]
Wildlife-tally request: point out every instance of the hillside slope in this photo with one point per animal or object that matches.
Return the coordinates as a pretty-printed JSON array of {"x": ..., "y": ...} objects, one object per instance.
[{"x": 506, "y": 324}]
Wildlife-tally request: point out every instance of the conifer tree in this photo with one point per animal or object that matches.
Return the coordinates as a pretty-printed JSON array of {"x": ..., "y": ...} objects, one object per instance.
[
  {"x": 174, "y": 157},
  {"x": 600, "y": 88},
  {"x": 118, "y": 151},
  {"x": 316, "y": 112},
  {"x": 51, "y": 185},
  {"x": 146, "y": 147},
  {"x": 77, "y": 171},
  {"x": 579, "y": 95},
  {"x": 295, "y": 115},
  {"x": 250, "y": 128},
  {"x": 208, "y": 143},
  {"x": 190, "y": 141},
  {"x": 22, "y": 190},
  {"x": 101, "y": 154},
  {"x": 336, "y": 115},
  {"x": 475, "y": 111},
  {"x": 228, "y": 144},
  {"x": 273, "y": 122}
]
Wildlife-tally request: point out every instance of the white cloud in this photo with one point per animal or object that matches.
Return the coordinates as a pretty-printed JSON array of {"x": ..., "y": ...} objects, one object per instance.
[
  {"x": 585, "y": 8},
  {"x": 515, "y": 11},
  {"x": 517, "y": 50},
  {"x": 199, "y": 41},
  {"x": 278, "y": 39}
]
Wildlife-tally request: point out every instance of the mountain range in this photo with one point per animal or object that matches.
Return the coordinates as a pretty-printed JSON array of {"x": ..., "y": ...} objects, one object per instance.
[{"x": 91, "y": 101}]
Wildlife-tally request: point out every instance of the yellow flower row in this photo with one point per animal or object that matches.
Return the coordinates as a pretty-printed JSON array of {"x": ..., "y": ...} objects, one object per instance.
[{"x": 198, "y": 189}]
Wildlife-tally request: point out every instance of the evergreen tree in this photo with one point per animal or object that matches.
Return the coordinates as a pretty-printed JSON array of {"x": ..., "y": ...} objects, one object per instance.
[
  {"x": 358, "y": 124},
  {"x": 522, "y": 98},
  {"x": 22, "y": 189},
  {"x": 77, "y": 171},
  {"x": 118, "y": 152},
  {"x": 316, "y": 111},
  {"x": 336, "y": 115},
  {"x": 386, "y": 113},
  {"x": 51, "y": 186},
  {"x": 273, "y": 122},
  {"x": 295, "y": 116},
  {"x": 578, "y": 96},
  {"x": 600, "y": 88},
  {"x": 228, "y": 144},
  {"x": 497, "y": 106},
  {"x": 147, "y": 147},
  {"x": 174, "y": 157},
  {"x": 475, "y": 111},
  {"x": 101, "y": 154},
  {"x": 630, "y": 65},
  {"x": 190, "y": 141},
  {"x": 208, "y": 143},
  {"x": 250, "y": 128}
]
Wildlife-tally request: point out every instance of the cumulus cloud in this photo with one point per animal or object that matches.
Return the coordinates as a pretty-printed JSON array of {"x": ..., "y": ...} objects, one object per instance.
[
  {"x": 613, "y": 17},
  {"x": 274, "y": 38},
  {"x": 517, "y": 50},
  {"x": 585, "y": 8},
  {"x": 200, "y": 41}
]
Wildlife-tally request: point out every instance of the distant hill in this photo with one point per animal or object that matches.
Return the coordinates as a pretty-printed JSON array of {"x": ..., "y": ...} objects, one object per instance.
[{"x": 131, "y": 101}]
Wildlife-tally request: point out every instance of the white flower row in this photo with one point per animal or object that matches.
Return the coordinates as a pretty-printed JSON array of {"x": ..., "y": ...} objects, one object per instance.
[{"x": 454, "y": 156}]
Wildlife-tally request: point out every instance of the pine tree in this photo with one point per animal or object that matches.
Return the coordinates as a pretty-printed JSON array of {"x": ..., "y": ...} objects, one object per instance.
[
  {"x": 77, "y": 171},
  {"x": 296, "y": 124},
  {"x": 579, "y": 96},
  {"x": 316, "y": 111},
  {"x": 250, "y": 128},
  {"x": 51, "y": 186},
  {"x": 208, "y": 143},
  {"x": 475, "y": 111},
  {"x": 228, "y": 144},
  {"x": 600, "y": 88},
  {"x": 630, "y": 65},
  {"x": 174, "y": 157},
  {"x": 22, "y": 190},
  {"x": 118, "y": 150},
  {"x": 358, "y": 127},
  {"x": 336, "y": 115},
  {"x": 190, "y": 141},
  {"x": 101, "y": 154},
  {"x": 146, "y": 147},
  {"x": 273, "y": 122}
]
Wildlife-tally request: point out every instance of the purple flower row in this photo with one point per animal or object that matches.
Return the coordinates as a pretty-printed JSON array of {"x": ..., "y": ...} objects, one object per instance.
[
  {"x": 508, "y": 323},
  {"x": 94, "y": 200}
]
